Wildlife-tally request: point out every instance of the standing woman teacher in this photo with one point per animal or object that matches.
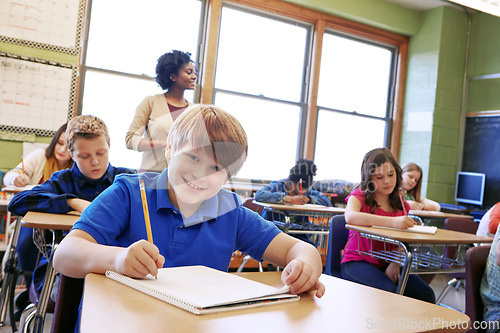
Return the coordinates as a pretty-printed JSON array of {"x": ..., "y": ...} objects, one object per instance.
[{"x": 175, "y": 73}]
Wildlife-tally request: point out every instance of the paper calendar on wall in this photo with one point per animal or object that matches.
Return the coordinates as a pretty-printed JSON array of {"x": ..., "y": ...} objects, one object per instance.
[
  {"x": 54, "y": 25},
  {"x": 36, "y": 96}
]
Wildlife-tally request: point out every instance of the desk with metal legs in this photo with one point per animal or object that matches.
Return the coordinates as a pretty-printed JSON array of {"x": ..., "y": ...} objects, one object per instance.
[
  {"x": 419, "y": 252},
  {"x": 56, "y": 224}
]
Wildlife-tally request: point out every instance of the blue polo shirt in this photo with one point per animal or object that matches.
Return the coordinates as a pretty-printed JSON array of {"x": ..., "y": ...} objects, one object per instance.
[{"x": 209, "y": 237}]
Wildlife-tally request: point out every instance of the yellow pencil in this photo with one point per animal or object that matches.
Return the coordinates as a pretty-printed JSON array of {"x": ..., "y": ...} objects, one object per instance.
[
  {"x": 22, "y": 165},
  {"x": 146, "y": 212}
]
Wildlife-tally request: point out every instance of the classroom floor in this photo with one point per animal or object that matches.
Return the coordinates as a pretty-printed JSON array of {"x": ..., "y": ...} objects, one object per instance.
[{"x": 455, "y": 299}]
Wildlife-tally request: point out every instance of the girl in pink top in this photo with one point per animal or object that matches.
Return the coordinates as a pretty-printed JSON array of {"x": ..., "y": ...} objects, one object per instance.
[{"x": 377, "y": 202}]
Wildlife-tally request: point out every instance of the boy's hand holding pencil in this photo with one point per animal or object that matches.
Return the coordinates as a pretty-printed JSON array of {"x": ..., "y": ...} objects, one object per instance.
[
  {"x": 139, "y": 259},
  {"x": 146, "y": 213},
  {"x": 142, "y": 257}
]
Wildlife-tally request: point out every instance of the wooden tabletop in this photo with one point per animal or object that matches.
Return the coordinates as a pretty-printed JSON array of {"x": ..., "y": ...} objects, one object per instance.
[
  {"x": 438, "y": 215},
  {"x": 109, "y": 306},
  {"x": 442, "y": 236},
  {"x": 303, "y": 208},
  {"x": 50, "y": 221}
]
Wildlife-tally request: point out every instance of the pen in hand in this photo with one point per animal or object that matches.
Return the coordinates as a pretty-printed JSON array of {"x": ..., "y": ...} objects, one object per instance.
[
  {"x": 146, "y": 212},
  {"x": 402, "y": 203}
]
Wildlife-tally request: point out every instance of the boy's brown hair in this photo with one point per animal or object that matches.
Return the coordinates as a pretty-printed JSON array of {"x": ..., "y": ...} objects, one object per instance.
[
  {"x": 216, "y": 132},
  {"x": 87, "y": 127}
]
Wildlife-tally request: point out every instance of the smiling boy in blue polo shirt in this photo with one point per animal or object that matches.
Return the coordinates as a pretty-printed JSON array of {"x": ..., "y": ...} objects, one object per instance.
[{"x": 193, "y": 220}]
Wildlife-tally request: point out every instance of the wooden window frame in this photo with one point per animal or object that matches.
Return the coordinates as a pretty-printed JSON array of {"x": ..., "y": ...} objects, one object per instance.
[{"x": 321, "y": 22}]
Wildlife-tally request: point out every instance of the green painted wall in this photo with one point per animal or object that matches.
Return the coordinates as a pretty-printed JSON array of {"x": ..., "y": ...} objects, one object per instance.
[
  {"x": 434, "y": 92},
  {"x": 377, "y": 13},
  {"x": 484, "y": 60}
]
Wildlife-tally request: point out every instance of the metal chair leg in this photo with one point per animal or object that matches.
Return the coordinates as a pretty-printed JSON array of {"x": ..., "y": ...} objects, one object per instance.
[
  {"x": 27, "y": 318},
  {"x": 243, "y": 262},
  {"x": 450, "y": 284},
  {"x": 8, "y": 270}
]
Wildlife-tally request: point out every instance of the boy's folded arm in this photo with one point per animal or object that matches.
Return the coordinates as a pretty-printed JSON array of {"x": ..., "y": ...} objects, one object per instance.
[{"x": 39, "y": 201}]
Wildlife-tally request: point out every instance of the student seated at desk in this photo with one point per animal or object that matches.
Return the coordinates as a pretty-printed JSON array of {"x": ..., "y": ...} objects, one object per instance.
[
  {"x": 412, "y": 185},
  {"x": 193, "y": 220},
  {"x": 296, "y": 189},
  {"x": 490, "y": 286},
  {"x": 71, "y": 189},
  {"x": 39, "y": 165},
  {"x": 377, "y": 202}
]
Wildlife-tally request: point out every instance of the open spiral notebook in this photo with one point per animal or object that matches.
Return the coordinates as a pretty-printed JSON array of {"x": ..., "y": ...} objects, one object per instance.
[{"x": 200, "y": 289}]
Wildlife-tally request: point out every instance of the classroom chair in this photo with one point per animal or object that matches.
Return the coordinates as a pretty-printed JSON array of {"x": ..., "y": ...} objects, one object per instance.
[
  {"x": 337, "y": 239},
  {"x": 475, "y": 262},
  {"x": 65, "y": 309},
  {"x": 462, "y": 225},
  {"x": 248, "y": 203}
]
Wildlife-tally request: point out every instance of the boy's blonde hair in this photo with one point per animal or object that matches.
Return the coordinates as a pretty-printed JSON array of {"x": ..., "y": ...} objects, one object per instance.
[
  {"x": 216, "y": 132},
  {"x": 87, "y": 127}
]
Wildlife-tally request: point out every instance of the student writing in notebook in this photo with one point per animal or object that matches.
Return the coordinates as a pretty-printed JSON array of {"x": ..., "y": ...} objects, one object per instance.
[
  {"x": 296, "y": 189},
  {"x": 175, "y": 73},
  {"x": 193, "y": 220},
  {"x": 412, "y": 186},
  {"x": 88, "y": 142},
  {"x": 35, "y": 168},
  {"x": 39, "y": 165},
  {"x": 377, "y": 202}
]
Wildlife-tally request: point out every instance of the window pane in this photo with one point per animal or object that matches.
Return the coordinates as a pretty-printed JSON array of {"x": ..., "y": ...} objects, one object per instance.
[
  {"x": 260, "y": 56},
  {"x": 114, "y": 98},
  {"x": 271, "y": 129},
  {"x": 341, "y": 143},
  {"x": 129, "y": 35},
  {"x": 355, "y": 76}
]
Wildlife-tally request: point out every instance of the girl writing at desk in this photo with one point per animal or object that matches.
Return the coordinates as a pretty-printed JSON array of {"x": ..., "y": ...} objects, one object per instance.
[
  {"x": 412, "y": 184},
  {"x": 377, "y": 202},
  {"x": 39, "y": 165}
]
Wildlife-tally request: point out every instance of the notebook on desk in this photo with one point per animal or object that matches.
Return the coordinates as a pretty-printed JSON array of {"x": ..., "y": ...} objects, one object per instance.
[{"x": 201, "y": 290}]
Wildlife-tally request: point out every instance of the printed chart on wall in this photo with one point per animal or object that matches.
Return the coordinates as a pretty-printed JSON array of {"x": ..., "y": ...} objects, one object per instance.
[
  {"x": 35, "y": 96},
  {"x": 48, "y": 24}
]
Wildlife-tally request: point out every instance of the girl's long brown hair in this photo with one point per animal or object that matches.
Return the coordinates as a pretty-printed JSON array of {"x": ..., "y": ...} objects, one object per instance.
[{"x": 372, "y": 160}]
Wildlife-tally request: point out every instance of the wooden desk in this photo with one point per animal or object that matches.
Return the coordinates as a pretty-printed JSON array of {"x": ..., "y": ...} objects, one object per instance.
[
  {"x": 109, "y": 306},
  {"x": 57, "y": 223},
  {"x": 416, "y": 256},
  {"x": 437, "y": 215}
]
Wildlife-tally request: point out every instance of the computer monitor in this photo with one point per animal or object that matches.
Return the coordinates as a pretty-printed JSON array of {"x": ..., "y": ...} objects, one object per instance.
[{"x": 470, "y": 187}]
